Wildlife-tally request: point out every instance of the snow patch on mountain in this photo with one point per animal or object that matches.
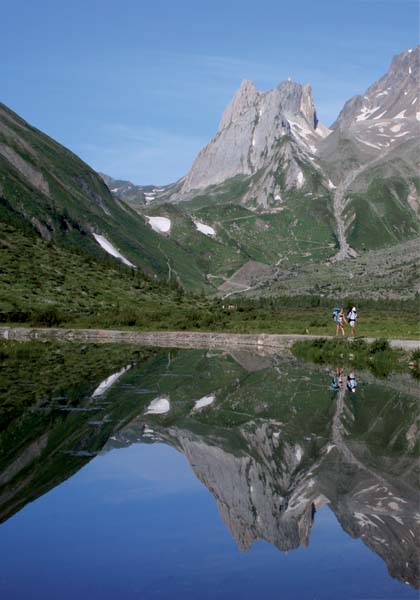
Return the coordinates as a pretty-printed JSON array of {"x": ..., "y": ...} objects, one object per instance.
[
  {"x": 206, "y": 229},
  {"x": 110, "y": 249},
  {"x": 159, "y": 224},
  {"x": 205, "y": 401}
]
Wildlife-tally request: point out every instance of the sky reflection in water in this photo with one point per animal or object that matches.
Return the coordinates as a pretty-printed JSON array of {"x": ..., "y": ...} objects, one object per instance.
[{"x": 136, "y": 523}]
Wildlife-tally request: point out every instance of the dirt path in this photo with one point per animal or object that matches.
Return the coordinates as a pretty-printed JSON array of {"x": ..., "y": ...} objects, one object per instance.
[{"x": 263, "y": 343}]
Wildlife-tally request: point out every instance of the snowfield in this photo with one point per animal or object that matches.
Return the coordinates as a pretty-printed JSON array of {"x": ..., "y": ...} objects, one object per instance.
[
  {"x": 158, "y": 406},
  {"x": 159, "y": 224},
  {"x": 206, "y": 229},
  {"x": 205, "y": 401},
  {"x": 108, "y": 247}
]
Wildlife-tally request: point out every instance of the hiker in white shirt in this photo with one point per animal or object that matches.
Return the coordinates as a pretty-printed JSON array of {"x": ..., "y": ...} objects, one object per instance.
[{"x": 352, "y": 318}]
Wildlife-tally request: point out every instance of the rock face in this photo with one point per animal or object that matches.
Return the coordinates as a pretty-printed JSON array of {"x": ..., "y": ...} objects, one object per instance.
[
  {"x": 386, "y": 116},
  {"x": 248, "y": 137}
]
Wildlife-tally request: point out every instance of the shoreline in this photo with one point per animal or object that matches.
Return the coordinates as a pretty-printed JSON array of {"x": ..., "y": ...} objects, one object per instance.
[{"x": 268, "y": 343}]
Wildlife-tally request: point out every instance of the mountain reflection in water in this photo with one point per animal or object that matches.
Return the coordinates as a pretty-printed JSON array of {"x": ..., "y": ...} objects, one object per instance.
[{"x": 265, "y": 434}]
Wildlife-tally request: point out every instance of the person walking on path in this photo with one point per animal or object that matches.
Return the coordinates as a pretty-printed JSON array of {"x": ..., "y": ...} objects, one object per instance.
[
  {"x": 340, "y": 320},
  {"x": 352, "y": 318}
]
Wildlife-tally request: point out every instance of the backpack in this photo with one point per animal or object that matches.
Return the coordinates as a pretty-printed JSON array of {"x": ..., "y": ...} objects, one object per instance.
[{"x": 335, "y": 314}]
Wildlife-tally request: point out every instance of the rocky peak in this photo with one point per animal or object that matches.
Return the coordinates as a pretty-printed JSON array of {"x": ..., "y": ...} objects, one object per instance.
[
  {"x": 244, "y": 99},
  {"x": 393, "y": 96},
  {"x": 249, "y": 133},
  {"x": 307, "y": 106}
]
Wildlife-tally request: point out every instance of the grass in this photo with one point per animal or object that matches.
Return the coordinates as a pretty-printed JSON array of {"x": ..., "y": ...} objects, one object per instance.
[{"x": 42, "y": 284}]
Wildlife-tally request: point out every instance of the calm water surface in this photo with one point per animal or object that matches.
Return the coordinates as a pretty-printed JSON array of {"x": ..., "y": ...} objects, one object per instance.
[{"x": 197, "y": 474}]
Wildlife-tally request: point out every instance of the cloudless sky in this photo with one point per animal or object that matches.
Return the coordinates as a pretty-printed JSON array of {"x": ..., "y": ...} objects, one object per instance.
[{"x": 137, "y": 87}]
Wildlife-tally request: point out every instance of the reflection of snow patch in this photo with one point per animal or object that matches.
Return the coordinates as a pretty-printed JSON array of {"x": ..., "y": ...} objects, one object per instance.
[
  {"x": 418, "y": 116},
  {"x": 298, "y": 453},
  {"x": 158, "y": 406},
  {"x": 379, "y": 116},
  {"x": 396, "y": 128},
  {"x": 363, "y": 520},
  {"x": 108, "y": 247},
  {"x": 368, "y": 143},
  {"x": 300, "y": 179},
  {"x": 331, "y": 185},
  {"x": 398, "y": 519},
  {"x": 206, "y": 229},
  {"x": 108, "y": 382},
  {"x": 159, "y": 224},
  {"x": 205, "y": 401},
  {"x": 401, "y": 115},
  {"x": 414, "y": 101}
]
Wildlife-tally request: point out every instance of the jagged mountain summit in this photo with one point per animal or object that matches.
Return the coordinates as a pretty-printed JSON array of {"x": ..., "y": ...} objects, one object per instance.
[
  {"x": 134, "y": 195},
  {"x": 386, "y": 116},
  {"x": 258, "y": 132},
  {"x": 256, "y": 124}
]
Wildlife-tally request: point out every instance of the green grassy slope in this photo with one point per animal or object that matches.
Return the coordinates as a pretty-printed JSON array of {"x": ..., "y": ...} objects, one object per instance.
[
  {"x": 64, "y": 200},
  {"x": 381, "y": 215}
]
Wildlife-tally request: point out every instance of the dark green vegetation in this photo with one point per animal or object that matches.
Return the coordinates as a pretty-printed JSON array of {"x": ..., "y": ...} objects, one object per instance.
[
  {"x": 36, "y": 373},
  {"x": 46, "y": 189},
  {"x": 378, "y": 356},
  {"x": 73, "y": 289}
]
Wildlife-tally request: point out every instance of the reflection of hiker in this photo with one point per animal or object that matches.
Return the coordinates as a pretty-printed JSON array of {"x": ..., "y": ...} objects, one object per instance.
[
  {"x": 339, "y": 318},
  {"x": 351, "y": 381},
  {"x": 352, "y": 318},
  {"x": 337, "y": 381}
]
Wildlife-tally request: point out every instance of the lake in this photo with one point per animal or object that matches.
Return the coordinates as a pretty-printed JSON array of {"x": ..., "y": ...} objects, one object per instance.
[{"x": 204, "y": 474}]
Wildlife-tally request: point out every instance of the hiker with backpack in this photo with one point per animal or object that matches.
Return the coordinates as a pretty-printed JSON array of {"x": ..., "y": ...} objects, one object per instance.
[
  {"x": 352, "y": 318},
  {"x": 337, "y": 381},
  {"x": 351, "y": 382},
  {"x": 340, "y": 319}
]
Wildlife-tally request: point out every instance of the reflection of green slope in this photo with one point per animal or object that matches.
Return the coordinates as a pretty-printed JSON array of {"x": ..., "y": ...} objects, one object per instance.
[{"x": 51, "y": 425}]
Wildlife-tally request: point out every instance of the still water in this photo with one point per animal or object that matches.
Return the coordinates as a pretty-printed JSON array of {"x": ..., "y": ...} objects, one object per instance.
[{"x": 198, "y": 474}]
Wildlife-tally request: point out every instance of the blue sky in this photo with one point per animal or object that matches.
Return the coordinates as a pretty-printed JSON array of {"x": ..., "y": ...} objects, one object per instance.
[{"x": 137, "y": 88}]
